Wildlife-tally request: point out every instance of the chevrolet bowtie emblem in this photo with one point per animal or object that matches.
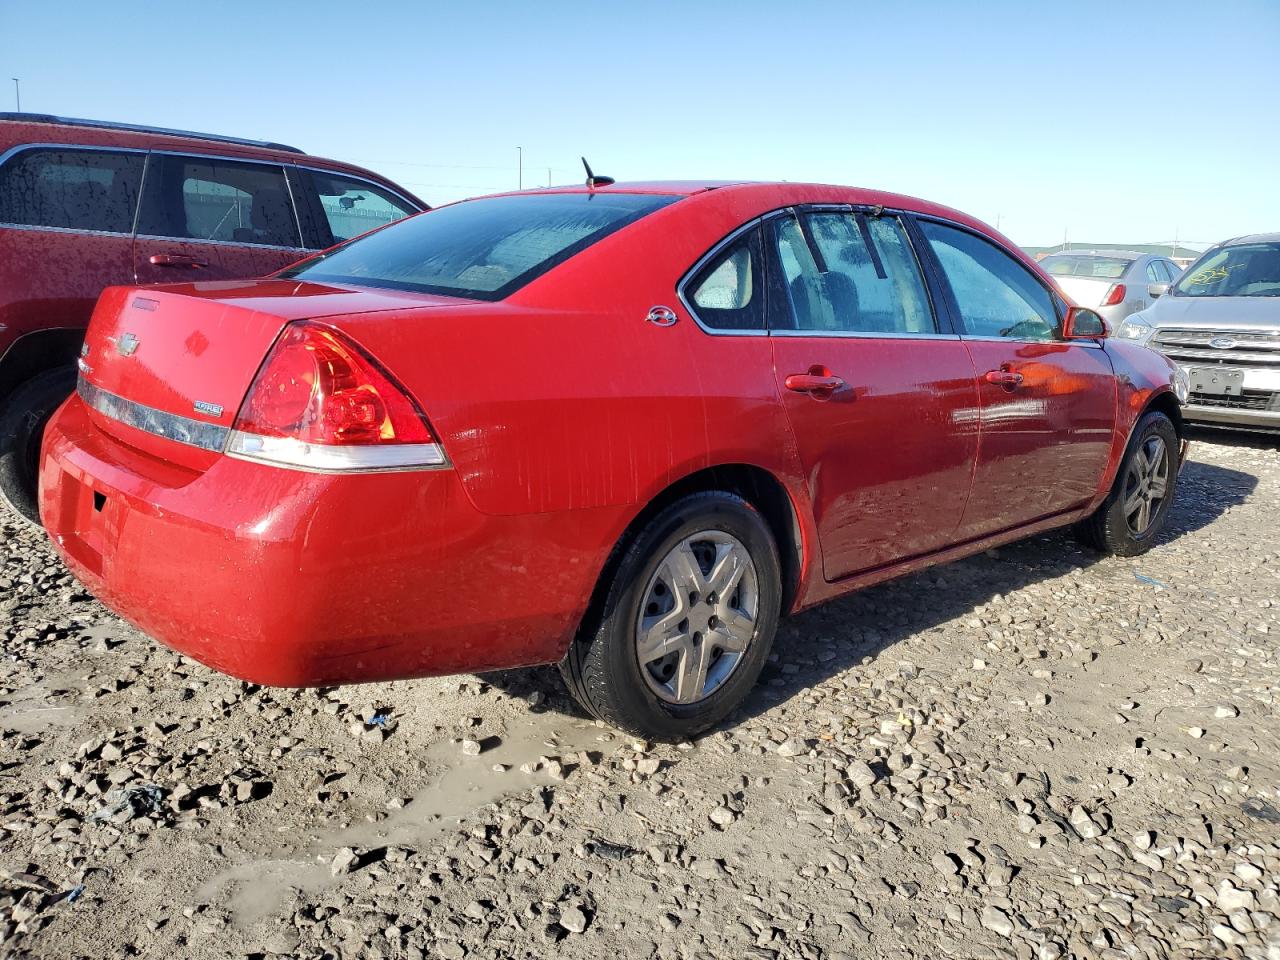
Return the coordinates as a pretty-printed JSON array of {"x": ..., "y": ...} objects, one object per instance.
[{"x": 127, "y": 345}]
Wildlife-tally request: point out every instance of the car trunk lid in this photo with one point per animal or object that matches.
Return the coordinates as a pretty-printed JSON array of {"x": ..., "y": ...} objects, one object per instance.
[{"x": 166, "y": 368}]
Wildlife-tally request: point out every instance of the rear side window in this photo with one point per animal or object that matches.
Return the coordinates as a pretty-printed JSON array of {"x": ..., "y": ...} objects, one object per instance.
[
  {"x": 485, "y": 249},
  {"x": 193, "y": 198},
  {"x": 728, "y": 293},
  {"x": 352, "y": 207},
  {"x": 1102, "y": 268},
  {"x": 72, "y": 189},
  {"x": 850, "y": 273},
  {"x": 996, "y": 295}
]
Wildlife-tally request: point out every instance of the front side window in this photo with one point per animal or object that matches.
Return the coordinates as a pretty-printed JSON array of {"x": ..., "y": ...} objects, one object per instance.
[
  {"x": 996, "y": 295},
  {"x": 71, "y": 189},
  {"x": 352, "y": 207},
  {"x": 226, "y": 201},
  {"x": 484, "y": 249},
  {"x": 1155, "y": 272},
  {"x": 729, "y": 292},
  {"x": 1244, "y": 270},
  {"x": 851, "y": 273}
]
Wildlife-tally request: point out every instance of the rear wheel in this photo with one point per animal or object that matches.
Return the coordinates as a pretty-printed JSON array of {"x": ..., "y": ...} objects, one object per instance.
[
  {"x": 1134, "y": 513},
  {"x": 686, "y": 621},
  {"x": 25, "y": 413}
]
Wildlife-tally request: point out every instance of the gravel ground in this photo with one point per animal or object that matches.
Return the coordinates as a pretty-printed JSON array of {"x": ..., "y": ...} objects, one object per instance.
[{"x": 1035, "y": 753}]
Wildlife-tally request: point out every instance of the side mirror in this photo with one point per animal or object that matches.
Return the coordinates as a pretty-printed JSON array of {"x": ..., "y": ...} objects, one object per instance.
[
  {"x": 1157, "y": 289},
  {"x": 1083, "y": 324}
]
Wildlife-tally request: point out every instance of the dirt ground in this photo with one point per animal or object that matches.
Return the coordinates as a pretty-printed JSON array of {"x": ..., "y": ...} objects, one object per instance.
[{"x": 1035, "y": 753}]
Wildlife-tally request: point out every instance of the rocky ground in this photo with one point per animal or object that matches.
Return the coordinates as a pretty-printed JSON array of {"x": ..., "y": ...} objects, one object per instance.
[{"x": 1036, "y": 753}]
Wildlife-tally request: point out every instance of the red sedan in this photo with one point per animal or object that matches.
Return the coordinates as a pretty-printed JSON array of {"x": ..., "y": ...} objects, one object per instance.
[{"x": 619, "y": 427}]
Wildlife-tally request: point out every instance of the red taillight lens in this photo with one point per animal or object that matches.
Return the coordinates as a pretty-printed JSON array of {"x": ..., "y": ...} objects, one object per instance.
[
  {"x": 1114, "y": 295},
  {"x": 318, "y": 387},
  {"x": 321, "y": 403}
]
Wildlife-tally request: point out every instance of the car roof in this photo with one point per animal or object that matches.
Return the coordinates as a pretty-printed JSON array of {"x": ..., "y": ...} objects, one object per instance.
[
  {"x": 1253, "y": 238},
  {"x": 1110, "y": 254},
  {"x": 142, "y": 128}
]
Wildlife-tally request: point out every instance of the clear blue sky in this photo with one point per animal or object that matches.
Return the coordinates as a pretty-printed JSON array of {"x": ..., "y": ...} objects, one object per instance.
[{"x": 1118, "y": 121}]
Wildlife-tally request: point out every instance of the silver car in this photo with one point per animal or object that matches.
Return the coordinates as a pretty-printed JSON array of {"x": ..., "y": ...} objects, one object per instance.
[
  {"x": 1221, "y": 324},
  {"x": 1115, "y": 283}
]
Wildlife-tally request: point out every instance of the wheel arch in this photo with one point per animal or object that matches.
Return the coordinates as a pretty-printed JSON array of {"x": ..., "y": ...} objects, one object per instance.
[
  {"x": 1167, "y": 403},
  {"x": 34, "y": 353},
  {"x": 754, "y": 484}
]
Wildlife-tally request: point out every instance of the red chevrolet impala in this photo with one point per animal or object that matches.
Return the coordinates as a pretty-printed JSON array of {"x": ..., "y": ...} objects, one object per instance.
[{"x": 619, "y": 427}]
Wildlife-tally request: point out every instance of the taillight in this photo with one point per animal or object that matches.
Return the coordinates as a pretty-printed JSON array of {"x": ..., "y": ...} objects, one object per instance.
[
  {"x": 321, "y": 403},
  {"x": 1114, "y": 295}
]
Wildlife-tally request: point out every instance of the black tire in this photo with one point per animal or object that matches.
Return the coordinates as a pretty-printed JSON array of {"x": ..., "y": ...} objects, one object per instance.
[
  {"x": 23, "y": 418},
  {"x": 602, "y": 667},
  {"x": 1109, "y": 529}
]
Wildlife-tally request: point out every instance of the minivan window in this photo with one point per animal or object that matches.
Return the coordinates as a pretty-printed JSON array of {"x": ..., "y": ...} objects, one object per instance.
[
  {"x": 1243, "y": 270},
  {"x": 352, "y": 207},
  {"x": 996, "y": 295},
  {"x": 71, "y": 189},
  {"x": 867, "y": 281},
  {"x": 228, "y": 201},
  {"x": 484, "y": 249}
]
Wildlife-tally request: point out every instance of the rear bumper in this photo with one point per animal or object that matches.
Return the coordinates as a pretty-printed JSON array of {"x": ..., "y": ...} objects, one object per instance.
[{"x": 288, "y": 578}]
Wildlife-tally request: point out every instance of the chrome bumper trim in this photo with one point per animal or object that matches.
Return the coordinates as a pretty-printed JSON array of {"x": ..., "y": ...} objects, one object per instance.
[{"x": 206, "y": 436}]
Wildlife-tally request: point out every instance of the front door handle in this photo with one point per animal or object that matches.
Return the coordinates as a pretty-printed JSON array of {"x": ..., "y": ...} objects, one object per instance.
[
  {"x": 819, "y": 383},
  {"x": 177, "y": 260},
  {"x": 1003, "y": 378}
]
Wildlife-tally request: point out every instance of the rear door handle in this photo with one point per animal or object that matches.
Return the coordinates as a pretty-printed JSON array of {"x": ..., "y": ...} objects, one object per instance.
[
  {"x": 815, "y": 384},
  {"x": 1003, "y": 378},
  {"x": 177, "y": 260}
]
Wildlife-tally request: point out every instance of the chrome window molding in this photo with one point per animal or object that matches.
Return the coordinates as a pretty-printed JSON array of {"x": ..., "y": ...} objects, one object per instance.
[
  {"x": 791, "y": 210},
  {"x": 1057, "y": 341},
  {"x": 5, "y": 225},
  {"x": 194, "y": 433},
  {"x": 220, "y": 243}
]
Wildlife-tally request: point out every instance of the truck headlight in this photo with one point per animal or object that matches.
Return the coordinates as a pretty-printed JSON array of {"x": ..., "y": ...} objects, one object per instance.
[
  {"x": 1136, "y": 329},
  {"x": 1181, "y": 384}
]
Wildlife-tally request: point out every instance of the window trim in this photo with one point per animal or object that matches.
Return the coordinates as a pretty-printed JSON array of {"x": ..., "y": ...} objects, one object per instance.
[
  {"x": 13, "y": 151},
  {"x": 954, "y": 307},
  {"x": 716, "y": 249}
]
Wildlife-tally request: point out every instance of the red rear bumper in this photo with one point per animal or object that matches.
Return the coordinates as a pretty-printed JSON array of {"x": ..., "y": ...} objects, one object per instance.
[{"x": 288, "y": 578}]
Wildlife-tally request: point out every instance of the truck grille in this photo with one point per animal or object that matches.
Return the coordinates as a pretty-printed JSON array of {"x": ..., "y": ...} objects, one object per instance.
[
  {"x": 1239, "y": 348},
  {"x": 1249, "y": 400}
]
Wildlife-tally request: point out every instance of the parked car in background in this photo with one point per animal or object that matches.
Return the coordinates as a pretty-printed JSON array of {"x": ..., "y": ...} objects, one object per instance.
[
  {"x": 1221, "y": 324},
  {"x": 622, "y": 427},
  {"x": 1115, "y": 283},
  {"x": 86, "y": 204}
]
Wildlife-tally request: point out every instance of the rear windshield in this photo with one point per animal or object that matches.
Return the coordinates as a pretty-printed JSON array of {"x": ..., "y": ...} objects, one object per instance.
[
  {"x": 1244, "y": 270},
  {"x": 485, "y": 249},
  {"x": 1104, "y": 268}
]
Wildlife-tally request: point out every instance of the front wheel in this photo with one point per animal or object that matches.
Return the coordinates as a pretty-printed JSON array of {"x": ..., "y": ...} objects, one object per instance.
[
  {"x": 23, "y": 417},
  {"x": 686, "y": 621},
  {"x": 1131, "y": 518}
]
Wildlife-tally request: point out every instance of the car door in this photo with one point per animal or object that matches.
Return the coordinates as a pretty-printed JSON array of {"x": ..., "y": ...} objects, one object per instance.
[
  {"x": 211, "y": 218},
  {"x": 1047, "y": 406},
  {"x": 66, "y": 225},
  {"x": 881, "y": 400}
]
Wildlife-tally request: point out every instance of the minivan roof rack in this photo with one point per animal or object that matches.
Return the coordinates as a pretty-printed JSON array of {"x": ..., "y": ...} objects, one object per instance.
[{"x": 139, "y": 128}]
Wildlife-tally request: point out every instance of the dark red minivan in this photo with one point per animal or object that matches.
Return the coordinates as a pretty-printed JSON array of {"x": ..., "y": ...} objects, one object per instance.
[{"x": 85, "y": 205}]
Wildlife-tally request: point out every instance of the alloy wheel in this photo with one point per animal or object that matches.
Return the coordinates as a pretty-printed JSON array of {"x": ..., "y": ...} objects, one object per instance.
[
  {"x": 698, "y": 617},
  {"x": 1146, "y": 485}
]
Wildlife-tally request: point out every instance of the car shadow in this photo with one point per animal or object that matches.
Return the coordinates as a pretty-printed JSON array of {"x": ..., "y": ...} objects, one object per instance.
[
  {"x": 1228, "y": 437},
  {"x": 828, "y": 639}
]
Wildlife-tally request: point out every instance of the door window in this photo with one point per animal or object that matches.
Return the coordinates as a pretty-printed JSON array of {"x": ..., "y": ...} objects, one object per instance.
[
  {"x": 72, "y": 189},
  {"x": 995, "y": 294},
  {"x": 849, "y": 273},
  {"x": 225, "y": 201},
  {"x": 729, "y": 292},
  {"x": 352, "y": 207}
]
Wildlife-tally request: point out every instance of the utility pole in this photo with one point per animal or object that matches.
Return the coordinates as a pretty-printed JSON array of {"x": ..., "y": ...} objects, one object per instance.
[
  {"x": 519, "y": 168},
  {"x": 1065, "y": 245},
  {"x": 17, "y": 94},
  {"x": 548, "y": 176}
]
